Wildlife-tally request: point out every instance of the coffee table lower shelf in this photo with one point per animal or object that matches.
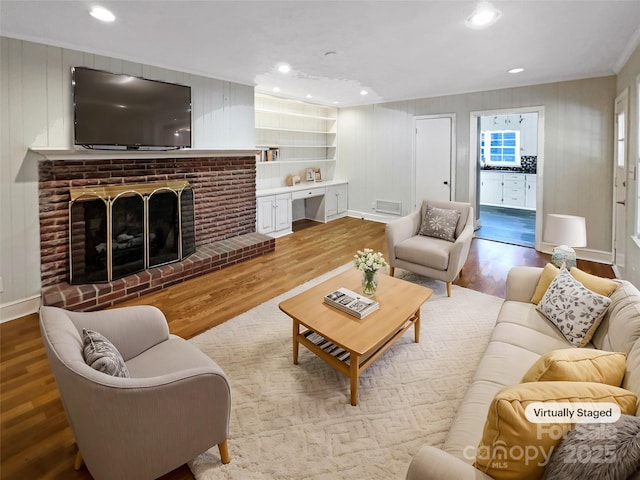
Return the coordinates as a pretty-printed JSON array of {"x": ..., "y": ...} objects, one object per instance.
[{"x": 344, "y": 360}]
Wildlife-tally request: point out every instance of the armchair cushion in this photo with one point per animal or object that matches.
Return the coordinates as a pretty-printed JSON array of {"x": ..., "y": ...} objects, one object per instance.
[
  {"x": 100, "y": 354},
  {"x": 423, "y": 250},
  {"x": 439, "y": 223}
]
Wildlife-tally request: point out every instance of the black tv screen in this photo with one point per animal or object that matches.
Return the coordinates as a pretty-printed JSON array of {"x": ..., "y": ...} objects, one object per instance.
[{"x": 120, "y": 110}]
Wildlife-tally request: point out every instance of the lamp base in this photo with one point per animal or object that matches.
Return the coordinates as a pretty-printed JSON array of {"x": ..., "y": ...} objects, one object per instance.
[{"x": 564, "y": 256}]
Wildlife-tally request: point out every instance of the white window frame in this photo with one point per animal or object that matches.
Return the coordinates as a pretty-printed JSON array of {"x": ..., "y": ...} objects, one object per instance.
[{"x": 486, "y": 157}]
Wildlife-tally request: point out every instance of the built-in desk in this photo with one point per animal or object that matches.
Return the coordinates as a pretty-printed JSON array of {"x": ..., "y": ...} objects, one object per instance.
[{"x": 277, "y": 208}]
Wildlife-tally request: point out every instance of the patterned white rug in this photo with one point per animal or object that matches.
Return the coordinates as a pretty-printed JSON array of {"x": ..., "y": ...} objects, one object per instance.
[{"x": 295, "y": 421}]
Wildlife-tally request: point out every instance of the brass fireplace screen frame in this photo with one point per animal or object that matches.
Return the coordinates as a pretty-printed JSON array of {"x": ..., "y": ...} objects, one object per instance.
[{"x": 104, "y": 197}]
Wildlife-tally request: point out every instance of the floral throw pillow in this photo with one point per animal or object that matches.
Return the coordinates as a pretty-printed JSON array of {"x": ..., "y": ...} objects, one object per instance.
[
  {"x": 439, "y": 223},
  {"x": 573, "y": 308}
]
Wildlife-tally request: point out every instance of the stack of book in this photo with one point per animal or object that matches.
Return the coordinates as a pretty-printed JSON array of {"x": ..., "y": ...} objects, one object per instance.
[{"x": 352, "y": 303}]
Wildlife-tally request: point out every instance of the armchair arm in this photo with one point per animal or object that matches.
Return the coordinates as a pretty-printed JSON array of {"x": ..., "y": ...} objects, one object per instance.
[
  {"x": 431, "y": 463},
  {"x": 131, "y": 329},
  {"x": 460, "y": 249},
  {"x": 401, "y": 229}
]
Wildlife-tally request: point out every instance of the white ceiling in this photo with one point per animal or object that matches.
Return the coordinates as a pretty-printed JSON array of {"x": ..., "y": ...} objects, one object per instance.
[{"x": 396, "y": 49}]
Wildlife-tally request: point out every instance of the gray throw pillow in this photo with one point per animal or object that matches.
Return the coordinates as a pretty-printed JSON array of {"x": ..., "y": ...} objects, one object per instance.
[
  {"x": 574, "y": 309},
  {"x": 102, "y": 355},
  {"x": 439, "y": 223},
  {"x": 597, "y": 450}
]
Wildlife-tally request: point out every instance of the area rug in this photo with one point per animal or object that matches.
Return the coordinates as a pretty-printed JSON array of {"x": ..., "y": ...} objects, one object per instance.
[{"x": 295, "y": 421}]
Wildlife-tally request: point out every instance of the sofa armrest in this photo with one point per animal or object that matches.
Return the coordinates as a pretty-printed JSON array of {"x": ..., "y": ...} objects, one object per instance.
[
  {"x": 521, "y": 283},
  {"x": 431, "y": 463},
  {"x": 401, "y": 229},
  {"x": 132, "y": 330}
]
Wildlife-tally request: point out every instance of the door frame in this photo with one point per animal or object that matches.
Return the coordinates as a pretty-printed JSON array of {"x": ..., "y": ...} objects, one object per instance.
[
  {"x": 452, "y": 166},
  {"x": 621, "y": 105},
  {"x": 474, "y": 161}
]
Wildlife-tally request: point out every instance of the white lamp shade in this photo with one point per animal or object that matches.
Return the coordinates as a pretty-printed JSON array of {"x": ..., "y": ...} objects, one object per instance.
[{"x": 565, "y": 230}]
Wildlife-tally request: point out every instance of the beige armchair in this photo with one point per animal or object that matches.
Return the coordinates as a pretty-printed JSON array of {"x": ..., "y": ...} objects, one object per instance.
[
  {"x": 175, "y": 404},
  {"x": 428, "y": 256}
]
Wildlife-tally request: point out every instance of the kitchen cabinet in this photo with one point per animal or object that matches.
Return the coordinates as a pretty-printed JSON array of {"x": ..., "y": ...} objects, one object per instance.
[{"x": 512, "y": 190}]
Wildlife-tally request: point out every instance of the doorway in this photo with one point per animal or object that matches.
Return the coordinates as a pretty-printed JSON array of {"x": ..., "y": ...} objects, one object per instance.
[
  {"x": 620, "y": 181},
  {"x": 506, "y": 162}
]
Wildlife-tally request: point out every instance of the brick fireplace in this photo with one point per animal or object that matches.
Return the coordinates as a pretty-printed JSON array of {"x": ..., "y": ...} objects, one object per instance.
[{"x": 223, "y": 187}]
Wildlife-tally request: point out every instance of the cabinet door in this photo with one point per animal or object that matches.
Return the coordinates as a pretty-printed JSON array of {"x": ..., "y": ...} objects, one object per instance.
[
  {"x": 343, "y": 203},
  {"x": 265, "y": 216},
  {"x": 490, "y": 188},
  {"x": 530, "y": 192},
  {"x": 282, "y": 212},
  {"x": 331, "y": 201}
]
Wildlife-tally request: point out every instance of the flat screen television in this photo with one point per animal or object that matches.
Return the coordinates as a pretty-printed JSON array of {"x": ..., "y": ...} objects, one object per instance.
[{"x": 116, "y": 110}]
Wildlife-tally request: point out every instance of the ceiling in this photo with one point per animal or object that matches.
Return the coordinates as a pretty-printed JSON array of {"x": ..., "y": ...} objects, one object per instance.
[{"x": 396, "y": 50}]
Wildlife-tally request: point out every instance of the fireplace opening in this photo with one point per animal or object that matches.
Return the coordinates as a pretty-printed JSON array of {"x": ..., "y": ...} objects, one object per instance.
[{"x": 116, "y": 231}]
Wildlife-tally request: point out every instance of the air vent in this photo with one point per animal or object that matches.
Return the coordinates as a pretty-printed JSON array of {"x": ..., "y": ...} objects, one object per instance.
[{"x": 389, "y": 206}]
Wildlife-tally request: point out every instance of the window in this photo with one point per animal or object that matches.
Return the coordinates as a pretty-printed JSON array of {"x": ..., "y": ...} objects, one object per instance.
[{"x": 500, "y": 147}]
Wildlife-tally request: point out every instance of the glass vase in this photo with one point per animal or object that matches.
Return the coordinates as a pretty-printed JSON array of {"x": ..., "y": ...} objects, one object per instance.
[{"x": 369, "y": 282}]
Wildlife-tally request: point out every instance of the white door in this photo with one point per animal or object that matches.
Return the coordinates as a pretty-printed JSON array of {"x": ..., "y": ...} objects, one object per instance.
[
  {"x": 265, "y": 216},
  {"x": 619, "y": 180},
  {"x": 433, "y": 157}
]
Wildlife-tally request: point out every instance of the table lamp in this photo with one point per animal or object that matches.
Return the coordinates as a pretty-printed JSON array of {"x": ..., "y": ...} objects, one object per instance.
[{"x": 566, "y": 232}]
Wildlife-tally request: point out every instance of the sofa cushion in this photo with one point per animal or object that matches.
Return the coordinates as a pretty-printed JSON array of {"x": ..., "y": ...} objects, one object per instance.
[
  {"x": 100, "y": 354},
  {"x": 439, "y": 223},
  {"x": 593, "y": 450},
  {"x": 433, "y": 252},
  {"x": 578, "y": 365},
  {"x": 508, "y": 434},
  {"x": 549, "y": 272},
  {"x": 573, "y": 308},
  {"x": 603, "y": 286}
]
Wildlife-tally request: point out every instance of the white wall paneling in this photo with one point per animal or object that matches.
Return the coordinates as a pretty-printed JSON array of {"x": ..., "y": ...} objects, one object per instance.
[
  {"x": 375, "y": 146},
  {"x": 37, "y": 112}
]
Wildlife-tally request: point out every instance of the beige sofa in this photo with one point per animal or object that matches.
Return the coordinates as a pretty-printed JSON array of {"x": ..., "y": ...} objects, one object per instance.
[{"x": 520, "y": 337}]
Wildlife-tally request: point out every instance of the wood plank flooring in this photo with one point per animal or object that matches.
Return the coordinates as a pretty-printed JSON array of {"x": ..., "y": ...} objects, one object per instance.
[{"x": 35, "y": 440}]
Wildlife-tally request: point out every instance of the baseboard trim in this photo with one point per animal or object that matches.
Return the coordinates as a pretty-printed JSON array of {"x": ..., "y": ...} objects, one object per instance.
[
  {"x": 372, "y": 216},
  {"x": 20, "y": 308}
]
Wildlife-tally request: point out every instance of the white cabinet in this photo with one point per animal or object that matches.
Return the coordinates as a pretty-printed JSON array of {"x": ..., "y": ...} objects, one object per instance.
[
  {"x": 336, "y": 200},
  {"x": 530, "y": 193},
  {"x": 273, "y": 214},
  {"x": 514, "y": 190},
  {"x": 490, "y": 188}
]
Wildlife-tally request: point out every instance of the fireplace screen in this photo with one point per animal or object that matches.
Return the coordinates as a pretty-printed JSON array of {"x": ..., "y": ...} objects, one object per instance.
[{"x": 119, "y": 230}]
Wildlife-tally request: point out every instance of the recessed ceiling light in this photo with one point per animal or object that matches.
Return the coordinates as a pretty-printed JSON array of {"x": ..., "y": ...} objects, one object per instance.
[
  {"x": 364, "y": 92},
  {"x": 484, "y": 15},
  {"x": 516, "y": 70},
  {"x": 336, "y": 102},
  {"x": 308, "y": 95},
  {"x": 276, "y": 89},
  {"x": 284, "y": 68},
  {"x": 102, "y": 14}
]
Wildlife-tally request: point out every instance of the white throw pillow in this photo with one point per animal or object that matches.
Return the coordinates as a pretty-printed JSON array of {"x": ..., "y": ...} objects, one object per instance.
[{"x": 573, "y": 308}]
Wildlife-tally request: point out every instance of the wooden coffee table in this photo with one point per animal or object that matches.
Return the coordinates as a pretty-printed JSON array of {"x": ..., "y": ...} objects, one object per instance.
[{"x": 349, "y": 344}]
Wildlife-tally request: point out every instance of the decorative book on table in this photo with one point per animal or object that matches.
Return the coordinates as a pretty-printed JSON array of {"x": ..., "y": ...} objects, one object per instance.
[{"x": 351, "y": 302}]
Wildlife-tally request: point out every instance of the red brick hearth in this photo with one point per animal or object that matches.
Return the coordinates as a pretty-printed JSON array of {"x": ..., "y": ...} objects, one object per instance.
[
  {"x": 207, "y": 258},
  {"x": 224, "y": 207}
]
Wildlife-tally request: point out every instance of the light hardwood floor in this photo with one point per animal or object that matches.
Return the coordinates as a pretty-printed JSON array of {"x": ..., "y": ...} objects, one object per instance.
[{"x": 35, "y": 440}]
